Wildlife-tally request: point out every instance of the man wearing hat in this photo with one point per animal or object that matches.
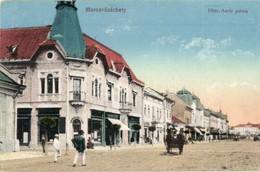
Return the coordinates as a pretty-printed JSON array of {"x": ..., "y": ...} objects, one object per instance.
[
  {"x": 181, "y": 141},
  {"x": 56, "y": 147},
  {"x": 80, "y": 146}
]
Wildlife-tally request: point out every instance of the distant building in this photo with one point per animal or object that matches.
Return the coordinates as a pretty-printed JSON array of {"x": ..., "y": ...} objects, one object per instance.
[
  {"x": 248, "y": 129},
  {"x": 205, "y": 122},
  {"x": 197, "y": 115},
  {"x": 180, "y": 109},
  {"x": 218, "y": 124}
]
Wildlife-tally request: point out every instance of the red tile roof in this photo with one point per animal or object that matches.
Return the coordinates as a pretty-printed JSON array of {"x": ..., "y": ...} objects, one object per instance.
[
  {"x": 112, "y": 57},
  {"x": 177, "y": 120},
  {"x": 248, "y": 125},
  {"x": 28, "y": 40},
  {"x": 49, "y": 42}
]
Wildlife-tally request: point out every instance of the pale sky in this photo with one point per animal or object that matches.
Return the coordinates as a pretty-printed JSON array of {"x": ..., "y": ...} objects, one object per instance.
[{"x": 212, "y": 48}]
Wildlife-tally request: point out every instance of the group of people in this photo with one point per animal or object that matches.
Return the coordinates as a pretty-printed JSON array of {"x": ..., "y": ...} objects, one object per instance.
[
  {"x": 78, "y": 143},
  {"x": 171, "y": 142}
]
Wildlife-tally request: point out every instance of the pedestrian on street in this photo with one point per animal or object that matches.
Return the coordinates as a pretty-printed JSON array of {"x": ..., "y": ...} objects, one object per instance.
[
  {"x": 90, "y": 145},
  {"x": 56, "y": 148},
  {"x": 168, "y": 140},
  {"x": 80, "y": 145},
  {"x": 181, "y": 141},
  {"x": 43, "y": 144}
]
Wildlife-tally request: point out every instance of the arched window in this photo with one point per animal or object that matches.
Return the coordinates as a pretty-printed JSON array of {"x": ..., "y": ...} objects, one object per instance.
[
  {"x": 122, "y": 96},
  {"x": 76, "y": 125},
  {"x": 49, "y": 83}
]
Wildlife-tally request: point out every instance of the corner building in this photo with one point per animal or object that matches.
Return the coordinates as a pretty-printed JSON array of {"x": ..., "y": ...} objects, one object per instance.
[
  {"x": 9, "y": 91},
  {"x": 73, "y": 78}
]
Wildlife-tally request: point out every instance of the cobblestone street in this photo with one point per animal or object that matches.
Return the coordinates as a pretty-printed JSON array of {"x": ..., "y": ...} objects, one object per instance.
[{"x": 213, "y": 156}]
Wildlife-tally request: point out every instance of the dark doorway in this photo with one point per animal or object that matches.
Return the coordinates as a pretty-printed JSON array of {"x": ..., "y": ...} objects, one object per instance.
[{"x": 24, "y": 126}]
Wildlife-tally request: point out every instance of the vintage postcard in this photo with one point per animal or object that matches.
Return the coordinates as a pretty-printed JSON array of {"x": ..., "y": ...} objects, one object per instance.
[{"x": 123, "y": 85}]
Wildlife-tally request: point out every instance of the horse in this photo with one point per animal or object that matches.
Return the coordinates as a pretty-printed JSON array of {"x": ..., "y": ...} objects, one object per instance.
[{"x": 173, "y": 143}]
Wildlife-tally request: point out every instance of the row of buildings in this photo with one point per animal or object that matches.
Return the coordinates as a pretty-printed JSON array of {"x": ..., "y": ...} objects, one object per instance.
[{"x": 59, "y": 72}]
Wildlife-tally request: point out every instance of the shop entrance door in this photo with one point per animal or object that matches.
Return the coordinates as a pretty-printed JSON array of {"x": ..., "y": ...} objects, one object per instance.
[
  {"x": 24, "y": 126},
  {"x": 96, "y": 126},
  {"x": 23, "y": 130}
]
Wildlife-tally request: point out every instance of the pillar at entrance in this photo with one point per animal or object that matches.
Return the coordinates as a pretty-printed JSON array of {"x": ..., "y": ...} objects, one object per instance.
[
  {"x": 124, "y": 120},
  {"x": 34, "y": 129},
  {"x": 124, "y": 137}
]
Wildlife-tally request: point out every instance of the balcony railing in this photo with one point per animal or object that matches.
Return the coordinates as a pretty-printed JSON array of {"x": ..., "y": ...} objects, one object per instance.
[
  {"x": 155, "y": 119},
  {"x": 125, "y": 107},
  {"x": 77, "y": 97}
]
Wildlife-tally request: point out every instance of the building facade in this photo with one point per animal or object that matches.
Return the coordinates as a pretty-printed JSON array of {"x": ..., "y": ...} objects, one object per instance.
[
  {"x": 205, "y": 122},
  {"x": 197, "y": 113},
  {"x": 9, "y": 91},
  {"x": 156, "y": 112},
  {"x": 247, "y": 130},
  {"x": 180, "y": 109},
  {"x": 72, "y": 78}
]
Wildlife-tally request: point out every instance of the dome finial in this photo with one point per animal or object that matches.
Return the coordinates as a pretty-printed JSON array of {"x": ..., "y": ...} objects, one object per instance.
[{"x": 68, "y": 2}]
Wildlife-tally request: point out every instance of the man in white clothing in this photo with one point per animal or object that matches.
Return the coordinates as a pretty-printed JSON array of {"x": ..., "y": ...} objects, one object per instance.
[{"x": 56, "y": 147}]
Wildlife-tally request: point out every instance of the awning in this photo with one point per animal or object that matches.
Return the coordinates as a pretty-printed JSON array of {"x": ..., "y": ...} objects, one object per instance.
[
  {"x": 118, "y": 122},
  {"x": 203, "y": 130},
  {"x": 198, "y": 131}
]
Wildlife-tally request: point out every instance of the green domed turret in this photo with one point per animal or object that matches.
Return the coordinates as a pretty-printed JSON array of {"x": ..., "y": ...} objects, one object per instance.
[{"x": 66, "y": 30}]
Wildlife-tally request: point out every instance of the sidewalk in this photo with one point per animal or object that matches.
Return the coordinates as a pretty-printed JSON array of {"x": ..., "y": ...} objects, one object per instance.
[
  {"x": 27, "y": 153},
  {"x": 19, "y": 155}
]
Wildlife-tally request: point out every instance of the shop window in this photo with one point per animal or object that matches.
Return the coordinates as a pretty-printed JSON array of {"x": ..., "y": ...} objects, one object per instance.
[{"x": 52, "y": 113}]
